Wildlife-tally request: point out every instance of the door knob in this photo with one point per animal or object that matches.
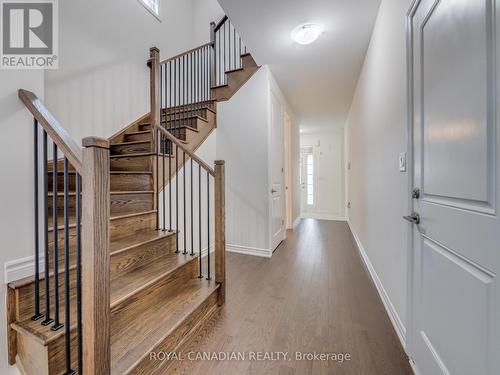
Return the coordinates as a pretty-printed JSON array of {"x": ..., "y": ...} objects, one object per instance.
[
  {"x": 414, "y": 218},
  {"x": 273, "y": 191}
]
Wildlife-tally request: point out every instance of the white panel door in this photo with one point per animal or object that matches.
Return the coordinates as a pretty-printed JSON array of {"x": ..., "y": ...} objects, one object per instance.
[
  {"x": 455, "y": 311},
  {"x": 277, "y": 174}
]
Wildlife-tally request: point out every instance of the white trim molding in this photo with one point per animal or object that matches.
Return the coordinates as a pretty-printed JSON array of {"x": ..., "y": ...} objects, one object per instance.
[
  {"x": 20, "y": 268},
  {"x": 245, "y": 250},
  {"x": 296, "y": 223},
  {"x": 389, "y": 307},
  {"x": 322, "y": 217}
]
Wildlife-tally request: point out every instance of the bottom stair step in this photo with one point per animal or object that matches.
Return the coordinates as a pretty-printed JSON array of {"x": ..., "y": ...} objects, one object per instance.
[{"x": 161, "y": 327}]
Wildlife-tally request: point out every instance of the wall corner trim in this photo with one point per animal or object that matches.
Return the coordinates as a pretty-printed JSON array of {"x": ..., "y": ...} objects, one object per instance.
[
  {"x": 245, "y": 250},
  {"x": 389, "y": 307}
]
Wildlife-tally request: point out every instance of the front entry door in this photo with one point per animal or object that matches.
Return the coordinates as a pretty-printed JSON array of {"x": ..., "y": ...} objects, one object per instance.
[{"x": 454, "y": 307}]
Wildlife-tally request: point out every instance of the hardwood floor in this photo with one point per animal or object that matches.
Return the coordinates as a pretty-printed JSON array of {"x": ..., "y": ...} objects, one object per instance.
[{"x": 314, "y": 295}]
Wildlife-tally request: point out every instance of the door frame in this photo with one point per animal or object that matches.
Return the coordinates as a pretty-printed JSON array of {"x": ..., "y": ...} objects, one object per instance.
[
  {"x": 408, "y": 345},
  {"x": 271, "y": 147},
  {"x": 287, "y": 127}
]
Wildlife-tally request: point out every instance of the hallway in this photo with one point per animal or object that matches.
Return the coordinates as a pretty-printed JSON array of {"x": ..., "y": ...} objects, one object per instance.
[{"x": 313, "y": 295}]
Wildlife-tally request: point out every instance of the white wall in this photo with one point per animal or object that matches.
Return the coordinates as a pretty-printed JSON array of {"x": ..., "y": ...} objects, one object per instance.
[
  {"x": 328, "y": 150},
  {"x": 242, "y": 126},
  {"x": 295, "y": 143},
  {"x": 242, "y": 141},
  {"x": 376, "y": 135},
  {"x": 205, "y": 11},
  {"x": 102, "y": 83},
  {"x": 16, "y": 190}
]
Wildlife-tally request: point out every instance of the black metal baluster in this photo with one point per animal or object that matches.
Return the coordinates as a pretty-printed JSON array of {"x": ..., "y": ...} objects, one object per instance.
[
  {"x": 157, "y": 132},
  {"x": 170, "y": 100},
  {"x": 192, "y": 217},
  {"x": 176, "y": 199},
  {"x": 57, "y": 324},
  {"x": 171, "y": 153},
  {"x": 178, "y": 117},
  {"x": 79, "y": 273},
  {"x": 184, "y": 198},
  {"x": 239, "y": 53},
  {"x": 48, "y": 320},
  {"x": 200, "y": 275},
  {"x": 37, "y": 315},
  {"x": 197, "y": 77},
  {"x": 225, "y": 66},
  {"x": 67, "y": 317},
  {"x": 219, "y": 60},
  {"x": 174, "y": 101},
  {"x": 208, "y": 226},
  {"x": 164, "y": 145},
  {"x": 183, "y": 113},
  {"x": 229, "y": 45}
]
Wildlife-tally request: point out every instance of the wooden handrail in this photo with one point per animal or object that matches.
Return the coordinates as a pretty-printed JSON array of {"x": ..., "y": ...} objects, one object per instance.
[
  {"x": 220, "y": 23},
  {"x": 185, "y": 53},
  {"x": 54, "y": 129},
  {"x": 188, "y": 152}
]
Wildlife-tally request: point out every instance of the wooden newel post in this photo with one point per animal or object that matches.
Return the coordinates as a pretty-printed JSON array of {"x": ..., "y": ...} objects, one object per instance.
[
  {"x": 154, "y": 85},
  {"x": 220, "y": 229},
  {"x": 95, "y": 257}
]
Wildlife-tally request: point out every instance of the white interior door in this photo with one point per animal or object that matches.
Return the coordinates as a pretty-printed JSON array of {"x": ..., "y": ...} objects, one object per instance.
[
  {"x": 455, "y": 310},
  {"x": 277, "y": 174},
  {"x": 303, "y": 183}
]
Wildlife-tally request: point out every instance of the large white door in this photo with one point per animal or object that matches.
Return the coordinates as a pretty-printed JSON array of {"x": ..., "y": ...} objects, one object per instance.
[
  {"x": 277, "y": 174},
  {"x": 454, "y": 310}
]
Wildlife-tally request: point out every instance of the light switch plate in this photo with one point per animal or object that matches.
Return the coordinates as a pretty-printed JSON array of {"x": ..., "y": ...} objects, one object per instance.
[{"x": 402, "y": 162}]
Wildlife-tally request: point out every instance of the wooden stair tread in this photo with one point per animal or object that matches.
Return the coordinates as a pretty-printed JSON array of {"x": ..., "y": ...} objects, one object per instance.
[
  {"x": 111, "y": 172},
  {"x": 234, "y": 70},
  {"x": 122, "y": 288},
  {"x": 138, "y": 132},
  {"x": 144, "y": 332},
  {"x": 178, "y": 118},
  {"x": 138, "y": 238},
  {"x": 140, "y": 278},
  {"x": 118, "y": 192},
  {"x": 114, "y": 216},
  {"x": 183, "y": 126},
  {"x": 220, "y": 86},
  {"x": 138, "y": 154},
  {"x": 129, "y": 143}
]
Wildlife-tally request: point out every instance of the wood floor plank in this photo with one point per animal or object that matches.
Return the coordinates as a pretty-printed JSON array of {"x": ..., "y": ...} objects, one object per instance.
[{"x": 313, "y": 295}]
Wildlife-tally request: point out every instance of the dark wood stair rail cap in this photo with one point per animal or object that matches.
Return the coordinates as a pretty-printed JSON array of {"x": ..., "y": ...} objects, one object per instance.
[
  {"x": 56, "y": 132},
  {"x": 188, "y": 152}
]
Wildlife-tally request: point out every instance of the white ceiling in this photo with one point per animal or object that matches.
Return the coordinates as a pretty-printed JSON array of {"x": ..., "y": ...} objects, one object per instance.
[{"x": 319, "y": 79}]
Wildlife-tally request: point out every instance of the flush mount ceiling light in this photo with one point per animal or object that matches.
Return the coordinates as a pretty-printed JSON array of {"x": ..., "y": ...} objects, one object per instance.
[{"x": 306, "y": 33}]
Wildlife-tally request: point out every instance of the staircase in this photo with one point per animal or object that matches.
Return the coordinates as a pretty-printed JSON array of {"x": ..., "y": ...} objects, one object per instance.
[{"x": 126, "y": 226}]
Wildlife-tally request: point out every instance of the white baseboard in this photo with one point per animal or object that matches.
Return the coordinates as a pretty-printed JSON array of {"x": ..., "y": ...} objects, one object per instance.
[
  {"x": 389, "y": 307},
  {"x": 246, "y": 250},
  {"x": 20, "y": 268},
  {"x": 307, "y": 215},
  {"x": 296, "y": 223}
]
